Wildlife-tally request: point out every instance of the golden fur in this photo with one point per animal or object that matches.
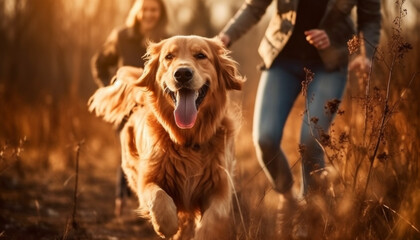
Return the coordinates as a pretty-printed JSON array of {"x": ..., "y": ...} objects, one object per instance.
[{"x": 180, "y": 173}]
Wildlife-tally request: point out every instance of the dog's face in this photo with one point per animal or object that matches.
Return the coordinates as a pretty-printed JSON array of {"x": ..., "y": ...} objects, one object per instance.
[
  {"x": 186, "y": 73},
  {"x": 189, "y": 75}
]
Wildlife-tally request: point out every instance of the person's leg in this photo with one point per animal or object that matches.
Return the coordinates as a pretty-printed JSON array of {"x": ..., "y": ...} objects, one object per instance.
[
  {"x": 277, "y": 91},
  {"x": 325, "y": 87},
  {"x": 120, "y": 188}
]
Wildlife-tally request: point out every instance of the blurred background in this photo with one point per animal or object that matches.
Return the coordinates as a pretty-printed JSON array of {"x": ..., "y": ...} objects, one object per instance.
[{"x": 45, "y": 82}]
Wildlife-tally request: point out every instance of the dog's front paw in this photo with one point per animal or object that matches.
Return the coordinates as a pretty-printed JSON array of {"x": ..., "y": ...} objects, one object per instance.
[{"x": 163, "y": 214}]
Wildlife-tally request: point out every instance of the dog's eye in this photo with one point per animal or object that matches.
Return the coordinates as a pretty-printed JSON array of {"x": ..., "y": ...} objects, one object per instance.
[
  {"x": 200, "y": 56},
  {"x": 169, "y": 56}
]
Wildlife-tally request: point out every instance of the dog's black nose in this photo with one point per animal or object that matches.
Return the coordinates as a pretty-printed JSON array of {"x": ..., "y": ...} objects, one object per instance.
[{"x": 183, "y": 74}]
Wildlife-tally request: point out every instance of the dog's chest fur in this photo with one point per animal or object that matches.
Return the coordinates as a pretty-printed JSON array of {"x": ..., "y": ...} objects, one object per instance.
[{"x": 192, "y": 174}]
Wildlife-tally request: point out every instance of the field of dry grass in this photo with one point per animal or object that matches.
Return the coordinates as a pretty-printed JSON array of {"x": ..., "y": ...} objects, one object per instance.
[{"x": 371, "y": 191}]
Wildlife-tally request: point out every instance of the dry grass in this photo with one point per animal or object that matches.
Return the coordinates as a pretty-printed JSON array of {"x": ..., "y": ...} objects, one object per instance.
[{"x": 370, "y": 189}]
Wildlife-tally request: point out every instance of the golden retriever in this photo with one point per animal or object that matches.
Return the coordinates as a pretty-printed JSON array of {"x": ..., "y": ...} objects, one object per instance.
[{"x": 178, "y": 136}]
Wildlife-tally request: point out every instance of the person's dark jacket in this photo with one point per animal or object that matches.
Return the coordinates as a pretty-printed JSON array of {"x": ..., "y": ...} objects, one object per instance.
[
  {"x": 336, "y": 22},
  {"x": 124, "y": 46}
]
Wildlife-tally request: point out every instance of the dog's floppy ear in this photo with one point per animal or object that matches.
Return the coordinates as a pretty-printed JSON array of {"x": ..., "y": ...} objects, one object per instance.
[
  {"x": 148, "y": 78},
  {"x": 226, "y": 66}
]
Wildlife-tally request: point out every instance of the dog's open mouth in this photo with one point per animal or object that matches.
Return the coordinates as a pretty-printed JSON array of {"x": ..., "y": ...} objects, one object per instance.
[{"x": 186, "y": 103}]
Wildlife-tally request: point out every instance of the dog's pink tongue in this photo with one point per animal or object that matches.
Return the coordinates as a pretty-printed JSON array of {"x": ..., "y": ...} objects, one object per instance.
[{"x": 185, "y": 112}]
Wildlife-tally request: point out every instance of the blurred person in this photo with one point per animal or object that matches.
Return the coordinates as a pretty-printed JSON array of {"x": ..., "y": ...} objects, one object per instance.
[
  {"x": 301, "y": 34},
  {"x": 125, "y": 46}
]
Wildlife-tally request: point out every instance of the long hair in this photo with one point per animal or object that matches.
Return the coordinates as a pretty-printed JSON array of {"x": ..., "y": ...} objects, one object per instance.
[{"x": 159, "y": 31}]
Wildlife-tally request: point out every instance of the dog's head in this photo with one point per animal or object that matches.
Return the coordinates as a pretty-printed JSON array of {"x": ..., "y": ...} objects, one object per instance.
[{"x": 189, "y": 77}]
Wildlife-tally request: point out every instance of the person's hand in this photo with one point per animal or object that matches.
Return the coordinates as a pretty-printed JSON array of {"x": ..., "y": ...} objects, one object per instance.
[
  {"x": 225, "y": 39},
  {"x": 318, "y": 38},
  {"x": 360, "y": 63}
]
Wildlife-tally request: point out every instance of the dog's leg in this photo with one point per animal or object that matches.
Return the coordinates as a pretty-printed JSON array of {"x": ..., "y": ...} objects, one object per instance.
[
  {"x": 214, "y": 225},
  {"x": 186, "y": 227},
  {"x": 162, "y": 210}
]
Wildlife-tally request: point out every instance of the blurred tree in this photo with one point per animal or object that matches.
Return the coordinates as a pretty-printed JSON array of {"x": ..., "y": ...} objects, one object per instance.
[
  {"x": 200, "y": 22},
  {"x": 46, "y": 45},
  {"x": 28, "y": 47}
]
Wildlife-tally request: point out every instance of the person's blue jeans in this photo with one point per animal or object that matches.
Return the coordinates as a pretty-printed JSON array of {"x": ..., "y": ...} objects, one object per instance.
[{"x": 278, "y": 89}]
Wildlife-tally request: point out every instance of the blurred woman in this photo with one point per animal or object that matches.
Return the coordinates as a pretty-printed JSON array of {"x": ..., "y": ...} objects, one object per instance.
[
  {"x": 126, "y": 45},
  {"x": 146, "y": 21}
]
